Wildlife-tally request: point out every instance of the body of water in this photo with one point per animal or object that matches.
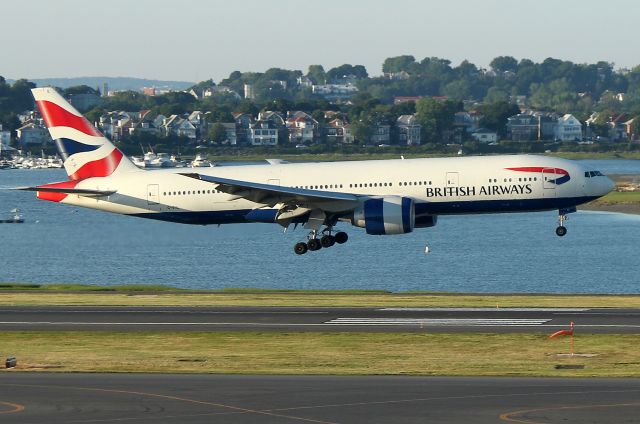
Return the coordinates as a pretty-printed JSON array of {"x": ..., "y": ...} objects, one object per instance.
[{"x": 479, "y": 253}]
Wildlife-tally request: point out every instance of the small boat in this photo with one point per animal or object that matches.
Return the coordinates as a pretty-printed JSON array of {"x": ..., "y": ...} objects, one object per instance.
[
  {"x": 201, "y": 162},
  {"x": 17, "y": 218}
]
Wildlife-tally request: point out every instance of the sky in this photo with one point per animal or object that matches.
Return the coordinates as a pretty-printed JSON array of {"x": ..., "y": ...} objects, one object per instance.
[{"x": 194, "y": 40}]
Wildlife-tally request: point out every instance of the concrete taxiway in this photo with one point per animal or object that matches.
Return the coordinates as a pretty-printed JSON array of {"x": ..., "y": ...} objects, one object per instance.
[
  {"x": 506, "y": 320},
  {"x": 194, "y": 399}
]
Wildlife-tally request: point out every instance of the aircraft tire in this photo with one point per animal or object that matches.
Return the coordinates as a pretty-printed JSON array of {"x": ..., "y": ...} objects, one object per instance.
[
  {"x": 327, "y": 240},
  {"x": 341, "y": 237},
  {"x": 314, "y": 244},
  {"x": 561, "y": 231},
  {"x": 300, "y": 248}
]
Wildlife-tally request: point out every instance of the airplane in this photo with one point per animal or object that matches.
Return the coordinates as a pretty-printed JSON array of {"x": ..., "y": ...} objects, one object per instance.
[{"x": 384, "y": 197}]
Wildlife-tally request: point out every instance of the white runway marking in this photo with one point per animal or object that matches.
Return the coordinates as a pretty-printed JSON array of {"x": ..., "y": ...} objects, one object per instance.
[
  {"x": 484, "y": 309},
  {"x": 439, "y": 321}
]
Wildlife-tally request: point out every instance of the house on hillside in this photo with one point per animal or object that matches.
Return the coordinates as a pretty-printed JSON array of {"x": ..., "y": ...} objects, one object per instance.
[
  {"x": 523, "y": 127},
  {"x": 231, "y": 133},
  {"x": 264, "y": 133},
  {"x": 618, "y": 129},
  {"x": 408, "y": 130},
  {"x": 397, "y": 76},
  {"x": 335, "y": 92},
  {"x": 568, "y": 128},
  {"x": 302, "y": 128},
  {"x": 243, "y": 123},
  {"x": 404, "y": 99},
  {"x": 466, "y": 121},
  {"x": 338, "y": 130},
  {"x": 381, "y": 134},
  {"x": 181, "y": 127},
  {"x": 484, "y": 135},
  {"x": 32, "y": 133}
]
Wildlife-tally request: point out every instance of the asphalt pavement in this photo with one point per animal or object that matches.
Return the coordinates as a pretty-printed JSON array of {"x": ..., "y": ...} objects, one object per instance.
[
  {"x": 194, "y": 399},
  {"x": 500, "y": 320}
]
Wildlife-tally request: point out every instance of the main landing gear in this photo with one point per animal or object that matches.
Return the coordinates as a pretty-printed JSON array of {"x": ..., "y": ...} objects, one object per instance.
[
  {"x": 561, "y": 230},
  {"x": 326, "y": 240}
]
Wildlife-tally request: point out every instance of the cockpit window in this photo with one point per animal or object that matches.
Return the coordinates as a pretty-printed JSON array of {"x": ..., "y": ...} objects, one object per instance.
[{"x": 589, "y": 174}]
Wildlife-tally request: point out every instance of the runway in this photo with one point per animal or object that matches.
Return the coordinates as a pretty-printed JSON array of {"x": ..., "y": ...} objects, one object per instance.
[
  {"x": 500, "y": 320},
  {"x": 194, "y": 399}
]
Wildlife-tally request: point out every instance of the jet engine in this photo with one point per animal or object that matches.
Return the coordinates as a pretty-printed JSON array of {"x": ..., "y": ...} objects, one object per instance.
[{"x": 386, "y": 215}]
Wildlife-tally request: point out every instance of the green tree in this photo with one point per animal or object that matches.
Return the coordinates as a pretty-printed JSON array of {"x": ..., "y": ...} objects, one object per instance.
[
  {"x": 21, "y": 97},
  {"x": 336, "y": 74},
  {"x": 80, "y": 89},
  {"x": 436, "y": 117},
  {"x": 495, "y": 94},
  {"x": 494, "y": 115},
  {"x": 217, "y": 133},
  {"x": 398, "y": 63},
  {"x": 317, "y": 74},
  {"x": 503, "y": 64}
]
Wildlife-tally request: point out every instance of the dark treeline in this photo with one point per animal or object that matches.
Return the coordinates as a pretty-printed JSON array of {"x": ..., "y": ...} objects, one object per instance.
[{"x": 552, "y": 85}]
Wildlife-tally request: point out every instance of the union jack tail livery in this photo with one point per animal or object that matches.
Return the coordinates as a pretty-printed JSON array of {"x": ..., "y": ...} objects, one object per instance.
[{"x": 85, "y": 151}]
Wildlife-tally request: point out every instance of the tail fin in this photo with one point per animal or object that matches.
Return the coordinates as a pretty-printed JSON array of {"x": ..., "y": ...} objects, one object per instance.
[{"x": 85, "y": 151}]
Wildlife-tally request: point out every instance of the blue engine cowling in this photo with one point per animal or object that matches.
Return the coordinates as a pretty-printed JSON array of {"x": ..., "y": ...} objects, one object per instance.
[{"x": 386, "y": 215}]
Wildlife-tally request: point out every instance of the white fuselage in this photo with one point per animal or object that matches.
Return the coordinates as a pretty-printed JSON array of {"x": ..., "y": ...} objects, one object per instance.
[{"x": 438, "y": 186}]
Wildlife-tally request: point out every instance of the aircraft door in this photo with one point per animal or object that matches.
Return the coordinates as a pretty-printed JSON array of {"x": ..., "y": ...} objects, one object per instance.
[
  {"x": 153, "y": 191},
  {"x": 452, "y": 181},
  {"x": 548, "y": 182}
]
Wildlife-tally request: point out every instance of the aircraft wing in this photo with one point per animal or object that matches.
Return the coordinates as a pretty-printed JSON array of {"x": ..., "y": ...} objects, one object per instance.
[{"x": 274, "y": 194}]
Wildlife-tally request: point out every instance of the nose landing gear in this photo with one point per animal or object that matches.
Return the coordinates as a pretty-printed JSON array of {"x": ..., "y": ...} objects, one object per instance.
[
  {"x": 561, "y": 230},
  {"x": 327, "y": 240}
]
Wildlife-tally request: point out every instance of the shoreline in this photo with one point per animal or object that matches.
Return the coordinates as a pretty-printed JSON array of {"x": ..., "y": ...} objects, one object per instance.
[
  {"x": 629, "y": 209},
  {"x": 624, "y": 199}
]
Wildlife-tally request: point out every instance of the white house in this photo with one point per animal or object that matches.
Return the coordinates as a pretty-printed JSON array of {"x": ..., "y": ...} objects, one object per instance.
[
  {"x": 484, "y": 135},
  {"x": 568, "y": 128},
  {"x": 335, "y": 91},
  {"x": 31, "y": 133},
  {"x": 264, "y": 133}
]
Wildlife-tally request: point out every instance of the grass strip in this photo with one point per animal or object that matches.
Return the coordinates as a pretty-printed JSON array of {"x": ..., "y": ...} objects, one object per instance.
[
  {"x": 323, "y": 353},
  {"x": 265, "y": 298},
  {"x": 616, "y": 197}
]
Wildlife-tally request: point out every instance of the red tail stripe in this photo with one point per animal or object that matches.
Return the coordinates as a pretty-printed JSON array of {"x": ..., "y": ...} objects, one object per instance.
[
  {"x": 55, "y": 116},
  {"x": 98, "y": 168},
  {"x": 55, "y": 197}
]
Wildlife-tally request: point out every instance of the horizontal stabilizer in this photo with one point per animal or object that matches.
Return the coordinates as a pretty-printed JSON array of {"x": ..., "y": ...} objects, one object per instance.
[{"x": 78, "y": 191}]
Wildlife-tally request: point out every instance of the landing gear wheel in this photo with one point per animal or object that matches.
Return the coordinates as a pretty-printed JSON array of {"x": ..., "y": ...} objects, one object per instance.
[
  {"x": 300, "y": 248},
  {"x": 341, "y": 237},
  {"x": 314, "y": 244},
  {"x": 327, "y": 240},
  {"x": 561, "y": 231}
]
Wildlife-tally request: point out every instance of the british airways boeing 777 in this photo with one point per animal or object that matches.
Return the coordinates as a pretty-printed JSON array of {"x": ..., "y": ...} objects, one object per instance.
[{"x": 381, "y": 196}]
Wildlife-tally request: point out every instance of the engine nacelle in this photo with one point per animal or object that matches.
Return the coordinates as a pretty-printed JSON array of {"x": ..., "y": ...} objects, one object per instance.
[
  {"x": 386, "y": 215},
  {"x": 425, "y": 221}
]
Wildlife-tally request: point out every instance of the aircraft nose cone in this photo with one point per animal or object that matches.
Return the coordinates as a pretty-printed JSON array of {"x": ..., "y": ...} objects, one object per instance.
[{"x": 610, "y": 185}]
